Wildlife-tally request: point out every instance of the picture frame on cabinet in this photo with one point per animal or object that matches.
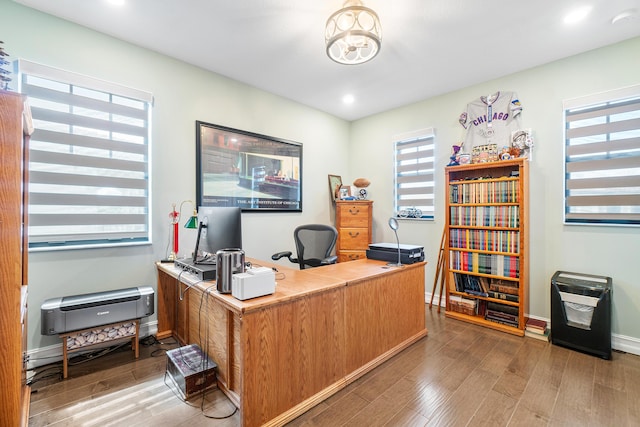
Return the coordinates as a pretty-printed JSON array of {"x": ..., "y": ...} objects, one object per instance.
[
  {"x": 345, "y": 191},
  {"x": 335, "y": 184}
]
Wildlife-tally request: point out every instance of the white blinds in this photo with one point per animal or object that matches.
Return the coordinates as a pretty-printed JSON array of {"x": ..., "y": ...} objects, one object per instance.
[
  {"x": 414, "y": 173},
  {"x": 89, "y": 163},
  {"x": 602, "y": 158}
]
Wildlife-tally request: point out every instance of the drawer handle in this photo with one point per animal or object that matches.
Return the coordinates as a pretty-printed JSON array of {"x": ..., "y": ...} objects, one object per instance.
[
  {"x": 352, "y": 212},
  {"x": 357, "y": 233}
]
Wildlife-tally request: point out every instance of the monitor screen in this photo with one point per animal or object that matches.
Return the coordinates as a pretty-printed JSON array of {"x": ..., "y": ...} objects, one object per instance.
[{"x": 218, "y": 228}]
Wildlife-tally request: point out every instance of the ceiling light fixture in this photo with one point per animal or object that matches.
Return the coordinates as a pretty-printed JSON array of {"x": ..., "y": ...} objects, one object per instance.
[{"x": 353, "y": 34}]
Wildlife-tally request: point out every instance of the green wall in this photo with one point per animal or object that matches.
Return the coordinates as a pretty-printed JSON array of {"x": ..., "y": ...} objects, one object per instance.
[
  {"x": 606, "y": 251},
  {"x": 184, "y": 94}
]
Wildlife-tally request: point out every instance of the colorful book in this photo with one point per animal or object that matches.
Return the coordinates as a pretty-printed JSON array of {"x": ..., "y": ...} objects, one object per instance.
[{"x": 536, "y": 325}]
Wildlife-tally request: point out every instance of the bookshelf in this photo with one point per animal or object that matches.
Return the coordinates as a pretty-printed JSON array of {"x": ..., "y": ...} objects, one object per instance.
[{"x": 486, "y": 244}]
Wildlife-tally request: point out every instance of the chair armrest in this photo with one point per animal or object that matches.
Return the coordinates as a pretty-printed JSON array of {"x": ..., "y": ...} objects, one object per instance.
[
  {"x": 279, "y": 255},
  {"x": 329, "y": 260}
]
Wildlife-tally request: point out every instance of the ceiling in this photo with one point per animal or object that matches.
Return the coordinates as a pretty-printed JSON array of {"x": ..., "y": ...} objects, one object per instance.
[{"x": 429, "y": 47}]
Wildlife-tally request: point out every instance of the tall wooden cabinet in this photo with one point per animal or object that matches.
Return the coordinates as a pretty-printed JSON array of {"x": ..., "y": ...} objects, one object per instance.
[
  {"x": 14, "y": 393},
  {"x": 487, "y": 244},
  {"x": 353, "y": 221}
]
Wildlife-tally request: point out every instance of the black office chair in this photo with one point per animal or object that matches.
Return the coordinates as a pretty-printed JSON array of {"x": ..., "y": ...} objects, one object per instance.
[{"x": 314, "y": 244}]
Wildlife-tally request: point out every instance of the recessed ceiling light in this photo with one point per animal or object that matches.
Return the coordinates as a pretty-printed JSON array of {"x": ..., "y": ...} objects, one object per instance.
[
  {"x": 348, "y": 99},
  {"x": 577, "y": 15},
  {"x": 116, "y": 2},
  {"x": 626, "y": 16}
]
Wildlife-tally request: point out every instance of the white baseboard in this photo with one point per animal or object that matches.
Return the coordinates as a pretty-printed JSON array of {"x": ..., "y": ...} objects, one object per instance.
[
  {"x": 618, "y": 342},
  {"x": 626, "y": 344},
  {"x": 53, "y": 353}
]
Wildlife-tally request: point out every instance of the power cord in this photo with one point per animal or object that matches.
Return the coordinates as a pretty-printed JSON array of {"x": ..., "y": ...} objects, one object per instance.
[
  {"x": 151, "y": 341},
  {"x": 38, "y": 376},
  {"x": 86, "y": 357},
  {"x": 186, "y": 402}
]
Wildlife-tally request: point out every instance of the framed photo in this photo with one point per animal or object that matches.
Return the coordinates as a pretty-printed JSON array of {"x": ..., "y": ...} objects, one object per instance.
[
  {"x": 345, "y": 191},
  {"x": 335, "y": 183},
  {"x": 252, "y": 171}
]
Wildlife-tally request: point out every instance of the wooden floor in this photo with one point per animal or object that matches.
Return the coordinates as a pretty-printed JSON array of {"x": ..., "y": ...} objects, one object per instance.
[{"x": 457, "y": 376}]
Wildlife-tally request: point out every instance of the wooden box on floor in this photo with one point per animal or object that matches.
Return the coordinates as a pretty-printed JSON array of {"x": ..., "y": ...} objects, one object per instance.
[{"x": 190, "y": 370}]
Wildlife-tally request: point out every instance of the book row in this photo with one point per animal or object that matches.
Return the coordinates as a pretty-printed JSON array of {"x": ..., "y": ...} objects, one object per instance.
[
  {"x": 485, "y": 240},
  {"x": 486, "y": 287},
  {"x": 497, "y": 265},
  {"x": 490, "y": 191},
  {"x": 504, "y": 286},
  {"x": 494, "y": 312},
  {"x": 485, "y": 216}
]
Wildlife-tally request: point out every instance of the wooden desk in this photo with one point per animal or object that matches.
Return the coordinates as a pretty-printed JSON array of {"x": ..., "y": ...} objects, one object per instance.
[{"x": 281, "y": 354}]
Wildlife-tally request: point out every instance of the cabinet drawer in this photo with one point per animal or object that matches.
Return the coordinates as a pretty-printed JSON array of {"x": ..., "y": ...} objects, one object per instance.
[
  {"x": 353, "y": 238},
  {"x": 345, "y": 256},
  {"x": 353, "y": 215}
]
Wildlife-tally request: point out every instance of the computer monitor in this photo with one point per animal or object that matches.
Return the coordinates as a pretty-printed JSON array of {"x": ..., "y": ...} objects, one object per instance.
[{"x": 218, "y": 228}]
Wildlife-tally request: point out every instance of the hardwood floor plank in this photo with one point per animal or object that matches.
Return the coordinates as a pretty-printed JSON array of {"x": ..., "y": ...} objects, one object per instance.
[
  {"x": 382, "y": 378},
  {"x": 610, "y": 374},
  {"x": 376, "y": 414},
  {"x": 543, "y": 386},
  {"x": 526, "y": 358},
  {"x": 631, "y": 366},
  {"x": 574, "y": 402},
  {"x": 460, "y": 374},
  {"x": 469, "y": 396},
  {"x": 340, "y": 412},
  {"x": 609, "y": 406},
  {"x": 523, "y": 417},
  {"x": 407, "y": 418},
  {"x": 303, "y": 420},
  {"x": 495, "y": 410},
  {"x": 503, "y": 351}
]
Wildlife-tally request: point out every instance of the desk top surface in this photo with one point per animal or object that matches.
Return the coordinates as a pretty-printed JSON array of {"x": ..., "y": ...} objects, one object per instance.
[{"x": 292, "y": 283}]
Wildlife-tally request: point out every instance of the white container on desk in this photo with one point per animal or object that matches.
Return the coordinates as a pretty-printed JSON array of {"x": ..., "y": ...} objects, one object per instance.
[{"x": 253, "y": 283}]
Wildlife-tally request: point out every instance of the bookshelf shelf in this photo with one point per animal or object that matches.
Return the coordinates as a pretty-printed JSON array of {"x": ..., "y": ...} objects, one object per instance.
[{"x": 486, "y": 247}]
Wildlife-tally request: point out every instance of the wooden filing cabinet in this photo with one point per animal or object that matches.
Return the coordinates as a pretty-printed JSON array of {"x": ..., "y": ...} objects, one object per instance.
[{"x": 353, "y": 221}]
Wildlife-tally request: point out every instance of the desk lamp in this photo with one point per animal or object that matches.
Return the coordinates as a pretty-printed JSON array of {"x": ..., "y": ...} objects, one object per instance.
[
  {"x": 393, "y": 224},
  {"x": 175, "y": 219}
]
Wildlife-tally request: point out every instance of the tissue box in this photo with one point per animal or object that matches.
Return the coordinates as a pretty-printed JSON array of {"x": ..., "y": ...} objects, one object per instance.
[{"x": 253, "y": 283}]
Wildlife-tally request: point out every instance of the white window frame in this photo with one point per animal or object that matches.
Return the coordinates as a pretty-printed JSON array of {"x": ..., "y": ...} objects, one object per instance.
[
  {"x": 414, "y": 174},
  {"x": 602, "y": 159},
  {"x": 89, "y": 160}
]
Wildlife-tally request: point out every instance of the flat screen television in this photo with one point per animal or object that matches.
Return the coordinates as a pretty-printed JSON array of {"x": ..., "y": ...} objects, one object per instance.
[{"x": 218, "y": 228}]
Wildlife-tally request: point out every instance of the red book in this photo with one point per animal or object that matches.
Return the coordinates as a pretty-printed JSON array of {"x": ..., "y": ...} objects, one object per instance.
[{"x": 537, "y": 324}]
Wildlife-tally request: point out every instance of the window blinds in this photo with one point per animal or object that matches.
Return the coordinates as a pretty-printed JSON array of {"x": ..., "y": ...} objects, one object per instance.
[
  {"x": 602, "y": 158},
  {"x": 414, "y": 172},
  {"x": 89, "y": 160}
]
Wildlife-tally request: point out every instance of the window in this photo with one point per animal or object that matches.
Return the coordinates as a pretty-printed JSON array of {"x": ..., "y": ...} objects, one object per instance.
[
  {"x": 602, "y": 158},
  {"x": 89, "y": 163},
  {"x": 414, "y": 175}
]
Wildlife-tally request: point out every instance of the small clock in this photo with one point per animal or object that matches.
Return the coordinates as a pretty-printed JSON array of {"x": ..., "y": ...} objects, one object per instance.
[{"x": 362, "y": 193}]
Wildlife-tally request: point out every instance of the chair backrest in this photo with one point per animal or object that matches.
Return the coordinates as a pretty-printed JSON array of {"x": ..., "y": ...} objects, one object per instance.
[{"x": 314, "y": 242}]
